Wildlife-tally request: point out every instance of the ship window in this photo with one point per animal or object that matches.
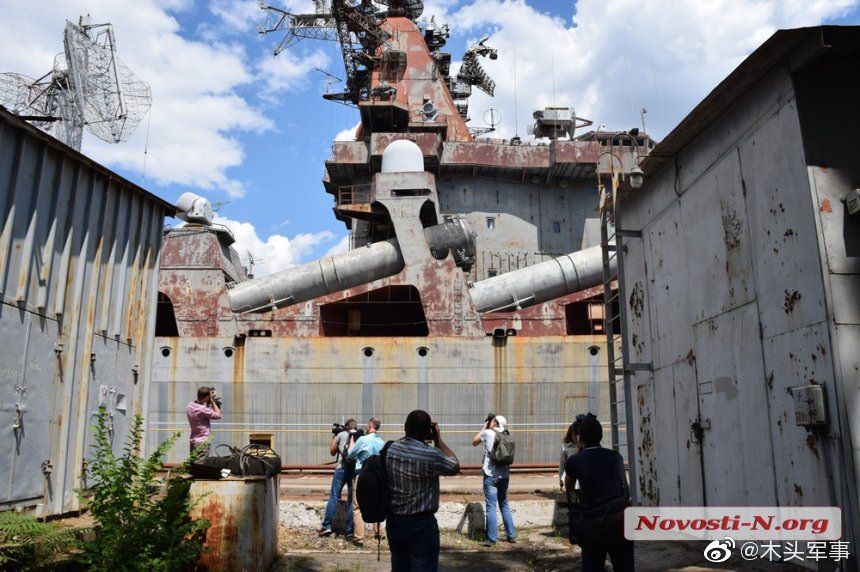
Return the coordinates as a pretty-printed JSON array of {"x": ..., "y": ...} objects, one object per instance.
[
  {"x": 491, "y": 222},
  {"x": 492, "y": 273},
  {"x": 556, "y": 226}
]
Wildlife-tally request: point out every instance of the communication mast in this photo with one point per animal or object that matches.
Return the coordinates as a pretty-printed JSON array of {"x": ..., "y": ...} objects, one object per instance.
[{"x": 88, "y": 87}]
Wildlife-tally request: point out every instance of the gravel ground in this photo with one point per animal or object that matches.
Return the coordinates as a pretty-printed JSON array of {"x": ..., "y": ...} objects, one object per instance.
[{"x": 537, "y": 549}]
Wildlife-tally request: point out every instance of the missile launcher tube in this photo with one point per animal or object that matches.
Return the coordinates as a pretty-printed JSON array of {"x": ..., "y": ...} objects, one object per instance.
[
  {"x": 541, "y": 282},
  {"x": 347, "y": 270}
]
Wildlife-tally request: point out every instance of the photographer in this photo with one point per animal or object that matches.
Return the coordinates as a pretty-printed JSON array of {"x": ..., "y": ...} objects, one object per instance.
[
  {"x": 344, "y": 436},
  {"x": 497, "y": 476},
  {"x": 200, "y": 413},
  {"x": 363, "y": 448},
  {"x": 413, "y": 469}
]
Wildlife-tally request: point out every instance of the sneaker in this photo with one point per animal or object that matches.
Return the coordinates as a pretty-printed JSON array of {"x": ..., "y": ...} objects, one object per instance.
[
  {"x": 488, "y": 544},
  {"x": 512, "y": 540},
  {"x": 324, "y": 532}
]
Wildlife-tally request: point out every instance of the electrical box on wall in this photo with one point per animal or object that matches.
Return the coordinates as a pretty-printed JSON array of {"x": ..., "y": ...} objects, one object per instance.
[{"x": 809, "y": 408}]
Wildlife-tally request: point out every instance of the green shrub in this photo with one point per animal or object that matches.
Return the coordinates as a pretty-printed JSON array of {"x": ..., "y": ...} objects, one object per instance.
[
  {"x": 140, "y": 522},
  {"x": 28, "y": 544}
]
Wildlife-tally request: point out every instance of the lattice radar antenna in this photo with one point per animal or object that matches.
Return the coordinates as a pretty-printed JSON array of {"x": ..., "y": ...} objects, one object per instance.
[{"x": 88, "y": 87}]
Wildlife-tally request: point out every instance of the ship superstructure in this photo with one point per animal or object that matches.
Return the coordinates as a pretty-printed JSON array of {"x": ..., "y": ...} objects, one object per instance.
[{"x": 474, "y": 280}]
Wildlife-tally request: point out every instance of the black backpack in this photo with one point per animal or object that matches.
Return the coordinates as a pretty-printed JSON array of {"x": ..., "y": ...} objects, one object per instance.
[{"x": 372, "y": 494}]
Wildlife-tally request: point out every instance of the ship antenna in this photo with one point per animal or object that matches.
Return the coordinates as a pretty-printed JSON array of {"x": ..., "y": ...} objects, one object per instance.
[{"x": 516, "y": 107}]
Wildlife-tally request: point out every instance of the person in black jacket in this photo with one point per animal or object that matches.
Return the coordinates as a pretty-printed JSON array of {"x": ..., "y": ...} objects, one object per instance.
[{"x": 597, "y": 522}]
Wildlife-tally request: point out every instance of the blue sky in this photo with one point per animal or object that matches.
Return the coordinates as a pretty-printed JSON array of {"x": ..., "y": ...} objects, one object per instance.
[{"x": 233, "y": 124}]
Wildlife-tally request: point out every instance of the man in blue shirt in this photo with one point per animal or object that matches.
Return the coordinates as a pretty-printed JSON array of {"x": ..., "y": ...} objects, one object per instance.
[{"x": 362, "y": 449}]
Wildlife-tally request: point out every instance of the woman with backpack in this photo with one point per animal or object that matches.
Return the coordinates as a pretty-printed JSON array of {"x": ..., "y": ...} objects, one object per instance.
[{"x": 497, "y": 476}]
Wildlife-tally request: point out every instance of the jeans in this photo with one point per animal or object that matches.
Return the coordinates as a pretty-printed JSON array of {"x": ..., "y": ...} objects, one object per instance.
[
  {"x": 414, "y": 542},
  {"x": 496, "y": 494},
  {"x": 341, "y": 477},
  {"x": 620, "y": 553}
]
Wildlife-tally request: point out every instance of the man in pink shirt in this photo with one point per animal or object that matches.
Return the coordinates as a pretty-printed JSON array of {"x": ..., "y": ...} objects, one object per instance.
[{"x": 200, "y": 413}]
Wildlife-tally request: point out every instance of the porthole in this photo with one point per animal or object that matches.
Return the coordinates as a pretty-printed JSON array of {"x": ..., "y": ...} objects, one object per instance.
[
  {"x": 165, "y": 351},
  {"x": 594, "y": 350},
  {"x": 423, "y": 352},
  {"x": 368, "y": 352},
  {"x": 228, "y": 352}
]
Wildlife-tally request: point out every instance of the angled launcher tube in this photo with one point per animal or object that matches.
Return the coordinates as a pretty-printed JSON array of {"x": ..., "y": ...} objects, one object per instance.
[
  {"x": 541, "y": 282},
  {"x": 348, "y": 269}
]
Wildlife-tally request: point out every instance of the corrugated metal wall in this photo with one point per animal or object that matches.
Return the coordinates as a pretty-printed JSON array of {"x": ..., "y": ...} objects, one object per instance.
[
  {"x": 295, "y": 388},
  {"x": 79, "y": 249}
]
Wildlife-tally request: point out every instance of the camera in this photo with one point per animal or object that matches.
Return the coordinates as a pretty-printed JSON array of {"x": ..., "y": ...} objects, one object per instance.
[
  {"x": 490, "y": 417},
  {"x": 338, "y": 428},
  {"x": 217, "y": 400}
]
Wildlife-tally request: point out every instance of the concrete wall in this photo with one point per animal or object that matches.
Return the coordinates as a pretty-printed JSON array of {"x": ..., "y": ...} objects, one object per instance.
[
  {"x": 726, "y": 300},
  {"x": 295, "y": 388},
  {"x": 79, "y": 249}
]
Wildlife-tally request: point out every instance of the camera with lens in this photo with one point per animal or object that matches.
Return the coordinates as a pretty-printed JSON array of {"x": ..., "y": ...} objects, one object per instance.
[
  {"x": 490, "y": 417},
  {"x": 337, "y": 428},
  {"x": 217, "y": 400}
]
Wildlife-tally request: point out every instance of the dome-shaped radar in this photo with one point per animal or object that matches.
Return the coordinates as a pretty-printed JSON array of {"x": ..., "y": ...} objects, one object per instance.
[
  {"x": 402, "y": 156},
  {"x": 194, "y": 208}
]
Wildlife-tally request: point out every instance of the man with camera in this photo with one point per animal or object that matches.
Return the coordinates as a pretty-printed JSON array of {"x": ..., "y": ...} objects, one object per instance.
[
  {"x": 363, "y": 448},
  {"x": 413, "y": 469},
  {"x": 200, "y": 413},
  {"x": 497, "y": 476},
  {"x": 343, "y": 436}
]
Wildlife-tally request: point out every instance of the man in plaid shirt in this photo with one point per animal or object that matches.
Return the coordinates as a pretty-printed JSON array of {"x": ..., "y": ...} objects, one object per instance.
[{"x": 413, "y": 469}]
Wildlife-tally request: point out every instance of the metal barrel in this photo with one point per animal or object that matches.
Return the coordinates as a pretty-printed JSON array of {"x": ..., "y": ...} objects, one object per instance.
[
  {"x": 541, "y": 282},
  {"x": 347, "y": 270}
]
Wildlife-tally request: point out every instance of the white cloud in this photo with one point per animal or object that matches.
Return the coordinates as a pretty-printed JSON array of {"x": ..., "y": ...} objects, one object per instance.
[
  {"x": 277, "y": 251},
  {"x": 288, "y": 71},
  {"x": 341, "y": 246},
  {"x": 614, "y": 57},
  {"x": 438, "y": 8},
  {"x": 347, "y": 134},
  {"x": 238, "y": 15}
]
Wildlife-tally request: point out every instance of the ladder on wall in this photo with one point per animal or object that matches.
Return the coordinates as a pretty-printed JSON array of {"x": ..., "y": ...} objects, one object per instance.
[{"x": 615, "y": 323}]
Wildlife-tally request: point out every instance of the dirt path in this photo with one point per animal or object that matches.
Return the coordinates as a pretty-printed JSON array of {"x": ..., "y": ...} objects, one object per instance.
[{"x": 537, "y": 549}]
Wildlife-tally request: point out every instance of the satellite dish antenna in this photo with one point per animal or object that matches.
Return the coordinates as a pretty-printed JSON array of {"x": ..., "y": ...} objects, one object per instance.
[{"x": 88, "y": 87}]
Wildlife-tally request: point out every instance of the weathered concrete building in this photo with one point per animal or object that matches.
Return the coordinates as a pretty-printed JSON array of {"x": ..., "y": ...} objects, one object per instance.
[
  {"x": 79, "y": 249},
  {"x": 743, "y": 290}
]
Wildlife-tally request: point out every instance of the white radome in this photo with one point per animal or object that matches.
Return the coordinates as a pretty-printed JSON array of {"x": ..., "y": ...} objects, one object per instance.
[{"x": 402, "y": 156}]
